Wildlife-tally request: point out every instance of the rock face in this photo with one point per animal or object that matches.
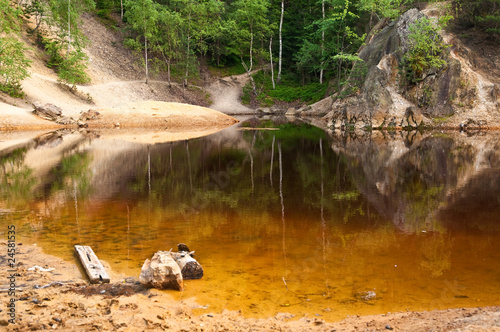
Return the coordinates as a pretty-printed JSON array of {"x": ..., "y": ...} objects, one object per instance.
[
  {"x": 381, "y": 100},
  {"x": 161, "y": 272}
]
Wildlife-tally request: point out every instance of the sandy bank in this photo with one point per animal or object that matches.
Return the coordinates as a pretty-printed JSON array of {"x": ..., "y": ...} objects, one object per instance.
[{"x": 171, "y": 121}]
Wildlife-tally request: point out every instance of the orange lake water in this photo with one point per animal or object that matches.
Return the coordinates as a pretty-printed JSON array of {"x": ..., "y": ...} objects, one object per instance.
[{"x": 295, "y": 220}]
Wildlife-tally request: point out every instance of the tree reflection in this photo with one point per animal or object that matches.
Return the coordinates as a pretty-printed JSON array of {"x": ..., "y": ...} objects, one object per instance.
[{"x": 16, "y": 179}]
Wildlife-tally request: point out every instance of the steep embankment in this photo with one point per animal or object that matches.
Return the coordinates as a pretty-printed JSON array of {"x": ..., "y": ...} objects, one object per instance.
[
  {"x": 117, "y": 81},
  {"x": 462, "y": 92}
]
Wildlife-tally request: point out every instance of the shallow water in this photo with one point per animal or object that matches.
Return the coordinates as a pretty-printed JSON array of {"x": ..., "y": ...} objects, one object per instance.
[{"x": 291, "y": 220}]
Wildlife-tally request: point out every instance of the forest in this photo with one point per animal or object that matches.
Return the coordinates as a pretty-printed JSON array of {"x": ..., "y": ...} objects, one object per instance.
[{"x": 303, "y": 47}]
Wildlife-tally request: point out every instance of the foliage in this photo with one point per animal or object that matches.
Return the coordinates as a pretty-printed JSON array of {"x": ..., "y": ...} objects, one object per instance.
[
  {"x": 320, "y": 38},
  {"x": 384, "y": 8},
  {"x": 65, "y": 49},
  {"x": 16, "y": 179},
  {"x": 9, "y": 17},
  {"x": 13, "y": 66},
  {"x": 340, "y": 44},
  {"x": 288, "y": 91},
  {"x": 356, "y": 79},
  {"x": 70, "y": 67},
  {"x": 143, "y": 15},
  {"x": 14, "y": 63},
  {"x": 484, "y": 15},
  {"x": 65, "y": 15},
  {"x": 426, "y": 48}
]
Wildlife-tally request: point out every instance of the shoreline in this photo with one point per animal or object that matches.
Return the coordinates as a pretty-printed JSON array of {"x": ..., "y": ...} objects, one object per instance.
[{"x": 52, "y": 293}]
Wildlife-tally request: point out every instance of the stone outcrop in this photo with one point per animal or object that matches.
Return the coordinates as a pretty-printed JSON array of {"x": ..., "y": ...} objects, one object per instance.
[
  {"x": 52, "y": 113},
  {"x": 381, "y": 100}
]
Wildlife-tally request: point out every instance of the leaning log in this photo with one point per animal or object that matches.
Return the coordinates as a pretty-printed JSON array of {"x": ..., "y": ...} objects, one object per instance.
[
  {"x": 190, "y": 267},
  {"x": 91, "y": 264}
]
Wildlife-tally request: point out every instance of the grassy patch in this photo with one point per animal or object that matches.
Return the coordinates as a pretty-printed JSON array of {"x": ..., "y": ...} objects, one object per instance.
[
  {"x": 289, "y": 90},
  {"x": 227, "y": 66}
]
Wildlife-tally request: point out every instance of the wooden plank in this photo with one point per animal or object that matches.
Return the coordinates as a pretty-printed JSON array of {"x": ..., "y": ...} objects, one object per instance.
[{"x": 93, "y": 267}]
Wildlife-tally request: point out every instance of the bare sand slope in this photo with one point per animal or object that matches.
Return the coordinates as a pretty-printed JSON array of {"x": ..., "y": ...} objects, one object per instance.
[{"x": 226, "y": 93}]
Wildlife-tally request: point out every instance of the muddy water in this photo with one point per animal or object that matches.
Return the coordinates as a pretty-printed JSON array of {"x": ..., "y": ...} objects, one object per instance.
[{"x": 292, "y": 220}]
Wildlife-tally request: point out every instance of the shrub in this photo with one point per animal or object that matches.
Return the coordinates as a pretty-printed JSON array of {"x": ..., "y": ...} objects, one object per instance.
[
  {"x": 69, "y": 67},
  {"x": 426, "y": 48},
  {"x": 13, "y": 66}
]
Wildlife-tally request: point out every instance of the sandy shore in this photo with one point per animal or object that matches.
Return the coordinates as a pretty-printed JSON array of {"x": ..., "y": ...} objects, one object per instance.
[{"x": 168, "y": 117}]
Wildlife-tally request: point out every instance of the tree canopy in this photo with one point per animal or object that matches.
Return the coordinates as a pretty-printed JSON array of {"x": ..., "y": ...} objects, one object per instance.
[{"x": 315, "y": 41}]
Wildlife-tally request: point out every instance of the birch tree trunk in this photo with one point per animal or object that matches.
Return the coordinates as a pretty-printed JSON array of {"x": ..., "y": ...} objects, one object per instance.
[
  {"x": 281, "y": 40},
  {"x": 254, "y": 87},
  {"x": 188, "y": 49},
  {"x": 271, "y": 58},
  {"x": 146, "y": 57},
  {"x": 322, "y": 43},
  {"x": 249, "y": 69},
  {"x": 251, "y": 49},
  {"x": 69, "y": 27}
]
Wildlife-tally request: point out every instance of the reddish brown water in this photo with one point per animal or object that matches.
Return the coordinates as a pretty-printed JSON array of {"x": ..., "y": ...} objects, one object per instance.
[{"x": 284, "y": 221}]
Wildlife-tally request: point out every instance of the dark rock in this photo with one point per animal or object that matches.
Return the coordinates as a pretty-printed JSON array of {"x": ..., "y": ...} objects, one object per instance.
[
  {"x": 190, "y": 268},
  {"x": 182, "y": 247},
  {"x": 495, "y": 92}
]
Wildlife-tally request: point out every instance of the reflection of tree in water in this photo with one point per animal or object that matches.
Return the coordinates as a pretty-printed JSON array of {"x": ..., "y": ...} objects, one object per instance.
[
  {"x": 72, "y": 174},
  {"x": 235, "y": 176},
  {"x": 436, "y": 254},
  {"x": 16, "y": 179}
]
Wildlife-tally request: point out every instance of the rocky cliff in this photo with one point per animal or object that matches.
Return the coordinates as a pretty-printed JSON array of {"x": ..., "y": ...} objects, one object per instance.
[{"x": 379, "y": 97}]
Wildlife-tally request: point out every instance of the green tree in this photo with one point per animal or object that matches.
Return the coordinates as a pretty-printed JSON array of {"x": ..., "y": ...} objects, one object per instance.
[
  {"x": 14, "y": 63},
  {"x": 66, "y": 17},
  {"x": 142, "y": 15},
  {"x": 251, "y": 25},
  {"x": 332, "y": 41},
  {"x": 71, "y": 70},
  {"x": 384, "y": 8},
  {"x": 66, "y": 49},
  {"x": 168, "y": 41}
]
